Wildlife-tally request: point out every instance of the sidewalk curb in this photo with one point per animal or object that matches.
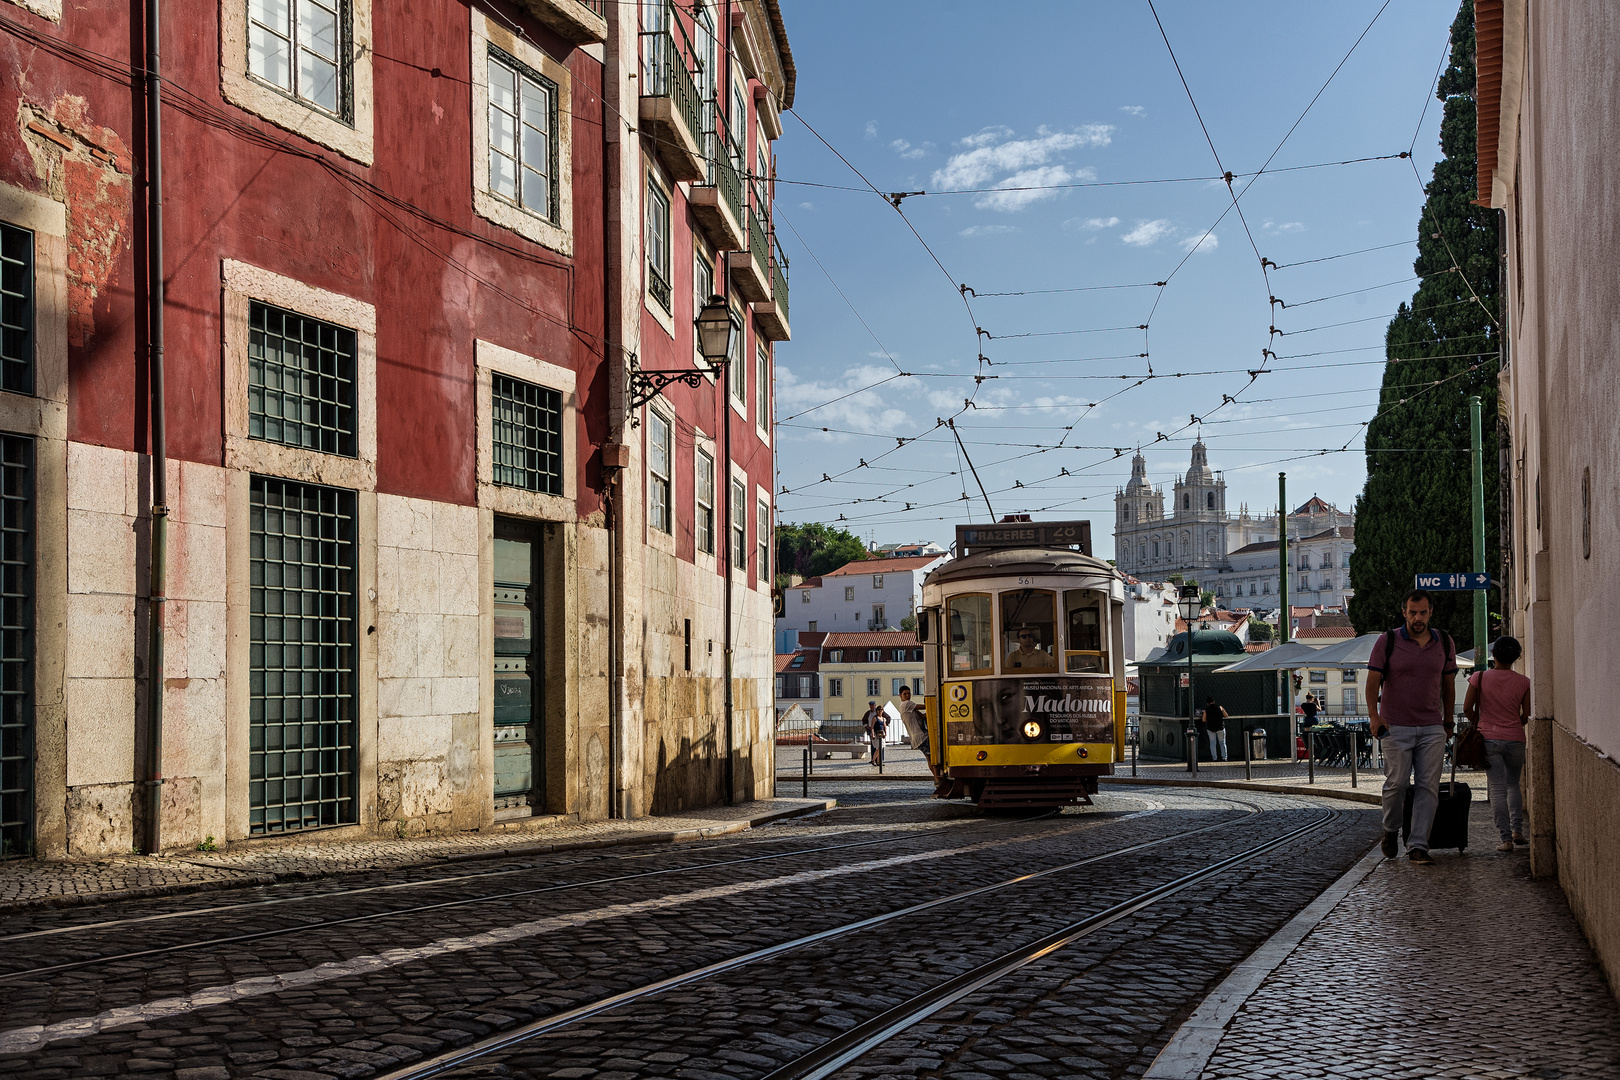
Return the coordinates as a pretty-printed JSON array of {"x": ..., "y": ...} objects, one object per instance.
[
  {"x": 250, "y": 878},
  {"x": 1248, "y": 785},
  {"x": 799, "y": 778},
  {"x": 1195, "y": 1042}
]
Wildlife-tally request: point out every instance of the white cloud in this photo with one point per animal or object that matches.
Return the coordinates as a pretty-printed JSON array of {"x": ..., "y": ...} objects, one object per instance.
[
  {"x": 870, "y": 407},
  {"x": 1134, "y": 110},
  {"x": 807, "y": 206},
  {"x": 980, "y": 165},
  {"x": 1012, "y": 200},
  {"x": 906, "y": 150},
  {"x": 871, "y": 129},
  {"x": 1201, "y": 242},
  {"x": 988, "y": 230},
  {"x": 1095, "y": 224},
  {"x": 1279, "y": 228},
  {"x": 985, "y": 136},
  {"x": 1148, "y": 233}
]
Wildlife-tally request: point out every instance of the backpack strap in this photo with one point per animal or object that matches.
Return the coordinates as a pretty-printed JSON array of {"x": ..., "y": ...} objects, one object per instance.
[{"x": 1389, "y": 651}]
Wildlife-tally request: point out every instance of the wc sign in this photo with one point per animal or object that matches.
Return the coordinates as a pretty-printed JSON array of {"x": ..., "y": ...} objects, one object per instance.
[{"x": 1453, "y": 582}]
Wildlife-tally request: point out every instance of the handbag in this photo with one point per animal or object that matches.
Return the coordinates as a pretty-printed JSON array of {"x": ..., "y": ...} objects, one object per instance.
[{"x": 1469, "y": 751}]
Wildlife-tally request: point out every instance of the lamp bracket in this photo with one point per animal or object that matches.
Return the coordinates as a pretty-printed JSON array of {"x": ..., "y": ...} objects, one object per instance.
[{"x": 645, "y": 385}]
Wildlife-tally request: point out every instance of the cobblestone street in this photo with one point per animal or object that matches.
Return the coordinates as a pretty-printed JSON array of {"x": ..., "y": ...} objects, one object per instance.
[{"x": 745, "y": 956}]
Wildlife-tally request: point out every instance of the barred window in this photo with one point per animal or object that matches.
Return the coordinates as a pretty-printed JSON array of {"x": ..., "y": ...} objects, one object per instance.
[
  {"x": 658, "y": 245},
  {"x": 527, "y": 430},
  {"x": 301, "y": 666},
  {"x": 522, "y": 135},
  {"x": 16, "y": 309},
  {"x": 300, "y": 381},
  {"x": 705, "y": 502},
  {"x": 302, "y": 47},
  {"x": 16, "y": 645},
  {"x": 658, "y": 480}
]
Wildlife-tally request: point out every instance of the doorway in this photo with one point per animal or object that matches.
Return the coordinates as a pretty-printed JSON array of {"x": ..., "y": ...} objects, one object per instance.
[{"x": 519, "y": 675}]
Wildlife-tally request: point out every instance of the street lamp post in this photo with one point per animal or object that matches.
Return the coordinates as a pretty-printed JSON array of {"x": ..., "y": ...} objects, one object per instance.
[
  {"x": 1190, "y": 610},
  {"x": 714, "y": 328}
]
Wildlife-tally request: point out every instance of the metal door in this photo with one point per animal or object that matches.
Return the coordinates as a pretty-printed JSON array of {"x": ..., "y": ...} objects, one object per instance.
[{"x": 518, "y": 675}]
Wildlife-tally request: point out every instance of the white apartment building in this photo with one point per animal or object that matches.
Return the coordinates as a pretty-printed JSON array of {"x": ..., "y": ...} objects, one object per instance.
[
  {"x": 873, "y": 594},
  {"x": 1319, "y": 572},
  {"x": 1150, "y": 617}
]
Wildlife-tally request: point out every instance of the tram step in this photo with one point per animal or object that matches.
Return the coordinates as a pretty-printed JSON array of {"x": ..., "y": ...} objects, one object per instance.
[{"x": 1054, "y": 792}]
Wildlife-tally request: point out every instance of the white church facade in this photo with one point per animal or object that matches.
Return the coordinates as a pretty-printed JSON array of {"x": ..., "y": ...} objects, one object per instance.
[{"x": 1188, "y": 531}]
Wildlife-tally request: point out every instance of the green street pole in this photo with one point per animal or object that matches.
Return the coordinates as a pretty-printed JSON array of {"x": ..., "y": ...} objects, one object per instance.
[
  {"x": 1282, "y": 554},
  {"x": 1481, "y": 629}
]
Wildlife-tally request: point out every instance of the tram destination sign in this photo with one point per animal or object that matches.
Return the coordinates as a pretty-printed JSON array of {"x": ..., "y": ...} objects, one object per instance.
[{"x": 972, "y": 539}]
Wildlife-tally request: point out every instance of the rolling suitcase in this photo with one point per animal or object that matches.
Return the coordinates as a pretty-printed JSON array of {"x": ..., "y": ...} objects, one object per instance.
[{"x": 1450, "y": 828}]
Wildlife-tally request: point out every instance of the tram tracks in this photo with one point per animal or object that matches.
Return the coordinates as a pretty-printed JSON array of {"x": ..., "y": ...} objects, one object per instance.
[
  {"x": 858, "y": 1040},
  {"x": 416, "y": 909}
]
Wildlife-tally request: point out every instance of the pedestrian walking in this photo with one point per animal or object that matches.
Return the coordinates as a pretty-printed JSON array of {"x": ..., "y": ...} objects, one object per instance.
[
  {"x": 1410, "y": 695},
  {"x": 1215, "y": 725},
  {"x": 1498, "y": 703},
  {"x": 876, "y": 727}
]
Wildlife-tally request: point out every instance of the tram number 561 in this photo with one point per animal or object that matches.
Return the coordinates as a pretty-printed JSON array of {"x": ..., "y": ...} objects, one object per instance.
[{"x": 960, "y": 703}]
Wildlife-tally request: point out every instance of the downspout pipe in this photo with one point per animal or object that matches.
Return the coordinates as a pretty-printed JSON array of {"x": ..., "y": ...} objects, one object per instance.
[
  {"x": 157, "y": 585},
  {"x": 730, "y": 770}
]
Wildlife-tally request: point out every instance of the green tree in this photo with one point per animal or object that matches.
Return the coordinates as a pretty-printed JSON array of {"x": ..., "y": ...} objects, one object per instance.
[
  {"x": 1259, "y": 631},
  {"x": 1414, "y": 513},
  {"x": 813, "y": 549}
]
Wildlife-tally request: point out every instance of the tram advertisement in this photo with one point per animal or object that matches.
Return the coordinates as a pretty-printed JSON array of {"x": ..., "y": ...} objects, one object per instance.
[{"x": 1050, "y": 709}]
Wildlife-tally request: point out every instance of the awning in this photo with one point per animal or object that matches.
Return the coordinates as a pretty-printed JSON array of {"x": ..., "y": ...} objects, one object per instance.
[{"x": 1284, "y": 657}]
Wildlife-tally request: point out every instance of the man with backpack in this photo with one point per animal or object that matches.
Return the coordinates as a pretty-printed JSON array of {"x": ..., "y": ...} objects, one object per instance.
[{"x": 1411, "y": 691}]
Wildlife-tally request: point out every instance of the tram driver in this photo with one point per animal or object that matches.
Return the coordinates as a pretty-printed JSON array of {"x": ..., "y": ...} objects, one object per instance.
[{"x": 1029, "y": 655}]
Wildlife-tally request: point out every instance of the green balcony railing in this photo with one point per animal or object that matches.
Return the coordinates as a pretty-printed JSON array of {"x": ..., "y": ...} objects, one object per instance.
[
  {"x": 758, "y": 246},
  {"x": 779, "y": 282},
  {"x": 723, "y": 175},
  {"x": 664, "y": 74}
]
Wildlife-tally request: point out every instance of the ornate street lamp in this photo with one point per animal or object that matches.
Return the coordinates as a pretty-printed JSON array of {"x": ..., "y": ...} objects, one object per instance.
[
  {"x": 714, "y": 328},
  {"x": 1190, "y": 609}
]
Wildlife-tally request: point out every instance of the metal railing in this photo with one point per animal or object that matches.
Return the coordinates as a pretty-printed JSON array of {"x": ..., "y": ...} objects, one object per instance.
[
  {"x": 664, "y": 74},
  {"x": 779, "y": 280},
  {"x": 758, "y": 246},
  {"x": 723, "y": 175},
  {"x": 597, "y": 6}
]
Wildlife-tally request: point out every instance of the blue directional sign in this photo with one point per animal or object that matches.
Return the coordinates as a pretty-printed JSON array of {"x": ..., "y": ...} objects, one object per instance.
[{"x": 1453, "y": 582}]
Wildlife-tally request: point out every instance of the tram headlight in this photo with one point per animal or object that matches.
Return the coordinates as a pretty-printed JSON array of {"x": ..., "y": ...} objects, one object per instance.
[
  {"x": 983, "y": 754},
  {"x": 1084, "y": 753},
  {"x": 1032, "y": 730}
]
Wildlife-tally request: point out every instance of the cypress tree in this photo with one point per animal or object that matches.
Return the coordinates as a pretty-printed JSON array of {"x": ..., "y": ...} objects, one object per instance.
[{"x": 1414, "y": 515}]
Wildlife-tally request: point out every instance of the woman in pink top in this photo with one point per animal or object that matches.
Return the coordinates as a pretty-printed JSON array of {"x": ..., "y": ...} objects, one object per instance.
[{"x": 1499, "y": 702}]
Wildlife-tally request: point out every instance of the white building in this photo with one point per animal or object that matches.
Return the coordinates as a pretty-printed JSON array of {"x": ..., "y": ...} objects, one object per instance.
[
  {"x": 1319, "y": 571},
  {"x": 1150, "y": 617},
  {"x": 873, "y": 594}
]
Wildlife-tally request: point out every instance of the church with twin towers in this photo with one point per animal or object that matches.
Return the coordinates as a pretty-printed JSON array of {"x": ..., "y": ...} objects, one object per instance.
[{"x": 1188, "y": 531}]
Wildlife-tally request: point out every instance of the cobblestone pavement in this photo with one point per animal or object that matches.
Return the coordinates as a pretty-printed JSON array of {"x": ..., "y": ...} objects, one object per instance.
[
  {"x": 28, "y": 883},
  {"x": 1462, "y": 969},
  {"x": 364, "y": 975}
]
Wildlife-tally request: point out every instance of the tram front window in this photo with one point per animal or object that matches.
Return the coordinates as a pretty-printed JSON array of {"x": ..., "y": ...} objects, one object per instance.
[
  {"x": 1029, "y": 630},
  {"x": 1085, "y": 646},
  {"x": 972, "y": 636}
]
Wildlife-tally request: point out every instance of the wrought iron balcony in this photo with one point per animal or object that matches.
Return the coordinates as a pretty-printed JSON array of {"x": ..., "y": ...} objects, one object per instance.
[
  {"x": 752, "y": 276},
  {"x": 671, "y": 110},
  {"x": 773, "y": 316},
  {"x": 718, "y": 204}
]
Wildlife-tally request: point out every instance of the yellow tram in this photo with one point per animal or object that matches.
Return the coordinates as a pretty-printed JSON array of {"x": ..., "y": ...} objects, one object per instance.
[{"x": 1024, "y": 665}]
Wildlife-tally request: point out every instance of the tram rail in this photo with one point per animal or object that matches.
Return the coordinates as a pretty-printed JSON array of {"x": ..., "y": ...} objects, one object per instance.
[
  {"x": 417, "y": 909},
  {"x": 516, "y": 1038}
]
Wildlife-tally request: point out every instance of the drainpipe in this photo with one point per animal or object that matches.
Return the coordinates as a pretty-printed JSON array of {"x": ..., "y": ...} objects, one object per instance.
[
  {"x": 725, "y": 408},
  {"x": 157, "y": 585}
]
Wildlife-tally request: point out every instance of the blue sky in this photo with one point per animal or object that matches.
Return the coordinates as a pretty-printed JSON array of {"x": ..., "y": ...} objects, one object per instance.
[{"x": 937, "y": 95}]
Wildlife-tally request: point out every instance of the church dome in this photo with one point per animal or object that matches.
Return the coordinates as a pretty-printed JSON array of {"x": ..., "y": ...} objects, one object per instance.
[
  {"x": 1199, "y": 471},
  {"x": 1138, "y": 484}
]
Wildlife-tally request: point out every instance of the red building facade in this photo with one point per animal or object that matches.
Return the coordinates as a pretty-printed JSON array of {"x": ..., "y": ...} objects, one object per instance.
[{"x": 408, "y": 564}]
